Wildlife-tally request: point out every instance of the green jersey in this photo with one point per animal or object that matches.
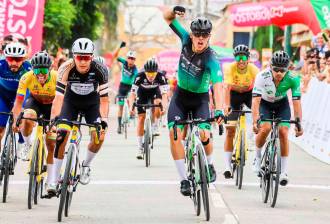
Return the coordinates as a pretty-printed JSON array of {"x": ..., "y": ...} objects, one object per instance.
[
  {"x": 264, "y": 86},
  {"x": 128, "y": 74},
  {"x": 196, "y": 71}
]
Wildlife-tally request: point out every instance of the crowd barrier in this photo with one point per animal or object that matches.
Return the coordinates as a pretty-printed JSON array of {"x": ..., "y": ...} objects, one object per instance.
[{"x": 316, "y": 121}]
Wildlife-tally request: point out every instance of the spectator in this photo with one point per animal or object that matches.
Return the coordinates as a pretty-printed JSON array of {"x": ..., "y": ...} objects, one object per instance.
[
  {"x": 320, "y": 43},
  {"x": 311, "y": 67},
  {"x": 326, "y": 71}
]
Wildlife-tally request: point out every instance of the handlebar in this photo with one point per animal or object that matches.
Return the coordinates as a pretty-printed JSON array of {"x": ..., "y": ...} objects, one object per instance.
[
  {"x": 147, "y": 105},
  {"x": 279, "y": 120},
  {"x": 195, "y": 122},
  {"x": 40, "y": 120}
]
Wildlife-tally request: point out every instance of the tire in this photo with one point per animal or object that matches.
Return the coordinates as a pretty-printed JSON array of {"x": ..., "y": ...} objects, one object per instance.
[
  {"x": 203, "y": 183},
  {"x": 240, "y": 168},
  {"x": 146, "y": 147},
  {"x": 6, "y": 168},
  {"x": 33, "y": 185},
  {"x": 275, "y": 167},
  {"x": 265, "y": 175},
  {"x": 65, "y": 183},
  {"x": 125, "y": 130},
  {"x": 196, "y": 195},
  {"x": 70, "y": 194}
]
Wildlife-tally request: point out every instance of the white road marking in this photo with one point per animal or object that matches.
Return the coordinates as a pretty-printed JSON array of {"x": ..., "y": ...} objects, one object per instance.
[{"x": 169, "y": 182}]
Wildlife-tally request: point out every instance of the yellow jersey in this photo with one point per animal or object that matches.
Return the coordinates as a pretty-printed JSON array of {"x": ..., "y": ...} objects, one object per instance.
[
  {"x": 237, "y": 81},
  {"x": 42, "y": 93}
]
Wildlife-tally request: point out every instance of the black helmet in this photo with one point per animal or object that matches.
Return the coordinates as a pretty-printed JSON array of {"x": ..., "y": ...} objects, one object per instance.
[
  {"x": 241, "y": 49},
  {"x": 280, "y": 59},
  {"x": 41, "y": 60},
  {"x": 201, "y": 24},
  {"x": 151, "y": 65}
]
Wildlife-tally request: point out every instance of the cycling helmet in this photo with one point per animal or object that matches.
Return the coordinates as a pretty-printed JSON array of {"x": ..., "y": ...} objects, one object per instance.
[
  {"x": 15, "y": 49},
  {"x": 201, "y": 24},
  {"x": 151, "y": 65},
  {"x": 241, "y": 49},
  {"x": 280, "y": 59},
  {"x": 100, "y": 59},
  {"x": 131, "y": 54},
  {"x": 41, "y": 60},
  {"x": 83, "y": 46}
]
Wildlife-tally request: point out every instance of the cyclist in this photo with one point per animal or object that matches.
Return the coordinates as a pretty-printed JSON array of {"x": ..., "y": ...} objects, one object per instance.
[
  {"x": 198, "y": 67},
  {"x": 270, "y": 95},
  {"x": 149, "y": 85},
  {"x": 41, "y": 84},
  {"x": 128, "y": 75},
  {"x": 82, "y": 86},
  {"x": 12, "y": 68},
  {"x": 239, "y": 79}
]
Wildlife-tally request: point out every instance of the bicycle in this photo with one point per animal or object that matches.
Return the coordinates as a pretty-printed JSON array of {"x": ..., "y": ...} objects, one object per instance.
[
  {"x": 8, "y": 156},
  {"x": 148, "y": 137},
  {"x": 240, "y": 147},
  {"x": 271, "y": 161},
  {"x": 197, "y": 169},
  {"x": 126, "y": 114},
  {"x": 70, "y": 179},
  {"x": 37, "y": 168}
]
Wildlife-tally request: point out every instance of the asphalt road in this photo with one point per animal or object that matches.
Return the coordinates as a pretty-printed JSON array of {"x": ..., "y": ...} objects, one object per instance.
[{"x": 123, "y": 190}]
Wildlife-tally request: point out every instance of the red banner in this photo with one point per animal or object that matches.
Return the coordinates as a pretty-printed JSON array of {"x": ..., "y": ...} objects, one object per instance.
[
  {"x": 23, "y": 18},
  {"x": 279, "y": 13}
]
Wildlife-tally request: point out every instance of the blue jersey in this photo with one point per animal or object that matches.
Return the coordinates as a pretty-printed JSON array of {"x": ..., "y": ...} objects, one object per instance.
[{"x": 9, "y": 80}]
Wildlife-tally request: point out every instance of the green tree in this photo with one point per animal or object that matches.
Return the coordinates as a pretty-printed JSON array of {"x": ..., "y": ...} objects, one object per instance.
[
  {"x": 58, "y": 20},
  {"x": 261, "y": 38}
]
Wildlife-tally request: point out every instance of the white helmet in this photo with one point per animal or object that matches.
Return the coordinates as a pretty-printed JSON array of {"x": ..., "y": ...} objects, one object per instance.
[
  {"x": 100, "y": 59},
  {"x": 83, "y": 46},
  {"x": 131, "y": 54},
  {"x": 15, "y": 49}
]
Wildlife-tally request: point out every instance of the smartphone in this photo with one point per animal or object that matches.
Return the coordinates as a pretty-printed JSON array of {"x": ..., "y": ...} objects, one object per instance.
[{"x": 325, "y": 37}]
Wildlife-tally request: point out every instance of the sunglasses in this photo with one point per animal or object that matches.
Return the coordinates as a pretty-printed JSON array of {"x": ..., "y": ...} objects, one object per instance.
[
  {"x": 83, "y": 57},
  {"x": 241, "y": 57},
  {"x": 201, "y": 34},
  {"x": 131, "y": 58},
  {"x": 38, "y": 71},
  {"x": 151, "y": 73},
  {"x": 282, "y": 70},
  {"x": 17, "y": 59}
]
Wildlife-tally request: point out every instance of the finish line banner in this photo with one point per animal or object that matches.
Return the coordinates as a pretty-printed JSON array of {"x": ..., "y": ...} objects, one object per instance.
[
  {"x": 23, "y": 18},
  {"x": 316, "y": 122}
]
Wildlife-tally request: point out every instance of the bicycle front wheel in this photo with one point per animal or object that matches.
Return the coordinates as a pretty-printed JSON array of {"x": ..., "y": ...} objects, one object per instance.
[
  {"x": 147, "y": 147},
  {"x": 265, "y": 175},
  {"x": 6, "y": 168},
  {"x": 33, "y": 185},
  {"x": 65, "y": 182},
  {"x": 71, "y": 190},
  {"x": 203, "y": 182},
  {"x": 240, "y": 168},
  {"x": 275, "y": 171}
]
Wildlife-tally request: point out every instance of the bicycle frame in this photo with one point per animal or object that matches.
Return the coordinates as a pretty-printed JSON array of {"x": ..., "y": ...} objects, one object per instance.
[
  {"x": 41, "y": 152},
  {"x": 126, "y": 115},
  {"x": 193, "y": 138},
  {"x": 240, "y": 126}
]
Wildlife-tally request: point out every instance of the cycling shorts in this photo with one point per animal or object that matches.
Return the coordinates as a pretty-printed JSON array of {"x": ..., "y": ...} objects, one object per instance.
[
  {"x": 145, "y": 97},
  {"x": 236, "y": 101},
  {"x": 39, "y": 108},
  {"x": 123, "y": 90},
  {"x": 281, "y": 108},
  {"x": 184, "y": 102}
]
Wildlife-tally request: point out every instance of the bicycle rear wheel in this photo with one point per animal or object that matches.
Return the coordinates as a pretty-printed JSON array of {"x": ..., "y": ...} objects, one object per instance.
[
  {"x": 147, "y": 147},
  {"x": 203, "y": 182},
  {"x": 240, "y": 168},
  {"x": 125, "y": 130},
  {"x": 265, "y": 175},
  {"x": 275, "y": 171},
  {"x": 6, "y": 168},
  {"x": 33, "y": 185},
  {"x": 65, "y": 182}
]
